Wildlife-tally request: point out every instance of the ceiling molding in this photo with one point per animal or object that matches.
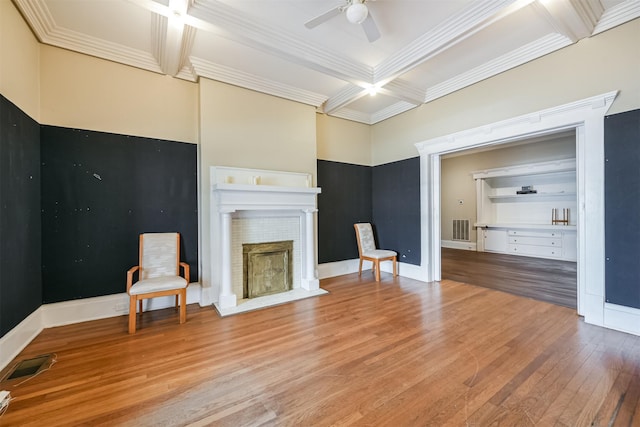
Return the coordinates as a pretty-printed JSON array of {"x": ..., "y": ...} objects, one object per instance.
[
  {"x": 392, "y": 110},
  {"x": 235, "y": 77},
  {"x": 353, "y": 115},
  {"x": 347, "y": 95},
  {"x": 48, "y": 33},
  {"x": 458, "y": 27},
  {"x": 38, "y": 16},
  {"x": 188, "y": 72},
  {"x": 618, "y": 15},
  {"x": 404, "y": 90},
  {"x": 526, "y": 53},
  {"x": 234, "y": 26},
  {"x": 573, "y": 19}
]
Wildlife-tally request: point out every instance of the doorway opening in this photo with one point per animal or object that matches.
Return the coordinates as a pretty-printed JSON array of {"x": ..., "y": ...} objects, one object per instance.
[{"x": 507, "y": 193}]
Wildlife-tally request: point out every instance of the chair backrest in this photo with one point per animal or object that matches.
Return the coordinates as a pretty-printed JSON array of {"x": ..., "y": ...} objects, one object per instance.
[
  {"x": 364, "y": 235},
  {"x": 159, "y": 255}
]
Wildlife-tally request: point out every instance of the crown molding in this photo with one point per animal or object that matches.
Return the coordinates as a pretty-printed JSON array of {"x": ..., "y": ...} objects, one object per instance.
[
  {"x": 574, "y": 19},
  {"x": 473, "y": 19},
  {"x": 235, "y": 77},
  {"x": 48, "y": 33},
  {"x": 353, "y": 115},
  {"x": 345, "y": 96},
  {"x": 223, "y": 20},
  {"x": 38, "y": 15},
  {"x": 618, "y": 15},
  {"x": 526, "y": 53},
  {"x": 405, "y": 91},
  {"x": 390, "y": 111}
]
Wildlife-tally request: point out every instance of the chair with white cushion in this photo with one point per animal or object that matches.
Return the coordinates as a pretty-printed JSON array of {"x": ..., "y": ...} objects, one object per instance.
[
  {"x": 369, "y": 252},
  {"x": 158, "y": 274}
]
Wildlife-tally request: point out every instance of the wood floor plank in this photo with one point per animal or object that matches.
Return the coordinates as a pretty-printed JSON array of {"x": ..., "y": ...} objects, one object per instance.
[
  {"x": 543, "y": 279},
  {"x": 395, "y": 352}
]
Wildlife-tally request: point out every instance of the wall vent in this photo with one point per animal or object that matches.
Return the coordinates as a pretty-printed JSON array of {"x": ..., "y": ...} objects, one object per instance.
[{"x": 461, "y": 229}]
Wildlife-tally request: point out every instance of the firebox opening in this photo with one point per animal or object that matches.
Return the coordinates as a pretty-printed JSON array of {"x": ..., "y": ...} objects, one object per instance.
[{"x": 267, "y": 268}]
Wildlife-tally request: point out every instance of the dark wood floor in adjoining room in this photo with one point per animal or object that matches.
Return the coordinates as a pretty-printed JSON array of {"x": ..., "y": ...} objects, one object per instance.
[
  {"x": 395, "y": 353},
  {"x": 547, "y": 280}
]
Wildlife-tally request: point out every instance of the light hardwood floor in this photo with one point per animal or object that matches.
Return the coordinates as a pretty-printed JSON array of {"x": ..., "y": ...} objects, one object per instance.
[{"x": 395, "y": 353}]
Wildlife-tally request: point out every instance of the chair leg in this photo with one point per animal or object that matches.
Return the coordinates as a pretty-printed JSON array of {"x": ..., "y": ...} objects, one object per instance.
[
  {"x": 176, "y": 301},
  {"x": 377, "y": 264},
  {"x": 183, "y": 305},
  {"x": 132, "y": 314},
  {"x": 140, "y": 306},
  {"x": 395, "y": 263},
  {"x": 360, "y": 268}
]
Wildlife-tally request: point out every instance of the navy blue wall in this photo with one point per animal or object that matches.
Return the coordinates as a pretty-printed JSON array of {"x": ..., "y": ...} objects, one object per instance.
[
  {"x": 388, "y": 196},
  {"x": 622, "y": 208},
  {"x": 99, "y": 192},
  {"x": 20, "y": 233},
  {"x": 396, "y": 208},
  {"x": 345, "y": 200}
]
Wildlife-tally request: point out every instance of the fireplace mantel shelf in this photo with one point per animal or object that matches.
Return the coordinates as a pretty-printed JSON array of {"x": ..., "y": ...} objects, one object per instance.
[
  {"x": 247, "y": 197},
  {"x": 264, "y": 188}
]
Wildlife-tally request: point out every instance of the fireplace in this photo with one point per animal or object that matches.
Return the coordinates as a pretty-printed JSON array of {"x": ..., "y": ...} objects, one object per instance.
[
  {"x": 250, "y": 206},
  {"x": 267, "y": 268}
]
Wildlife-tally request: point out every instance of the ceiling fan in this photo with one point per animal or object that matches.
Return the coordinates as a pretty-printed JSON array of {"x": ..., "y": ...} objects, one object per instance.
[{"x": 356, "y": 12}]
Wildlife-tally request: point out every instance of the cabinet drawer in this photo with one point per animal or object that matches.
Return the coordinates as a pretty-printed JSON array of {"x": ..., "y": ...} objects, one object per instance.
[
  {"x": 557, "y": 234},
  {"x": 545, "y": 251},
  {"x": 537, "y": 241}
]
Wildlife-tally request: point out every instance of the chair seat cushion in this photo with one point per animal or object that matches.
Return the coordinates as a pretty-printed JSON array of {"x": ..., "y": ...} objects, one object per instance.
[
  {"x": 379, "y": 254},
  {"x": 157, "y": 284}
]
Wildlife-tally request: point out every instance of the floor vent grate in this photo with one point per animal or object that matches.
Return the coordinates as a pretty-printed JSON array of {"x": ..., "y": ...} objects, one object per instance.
[
  {"x": 461, "y": 229},
  {"x": 30, "y": 367}
]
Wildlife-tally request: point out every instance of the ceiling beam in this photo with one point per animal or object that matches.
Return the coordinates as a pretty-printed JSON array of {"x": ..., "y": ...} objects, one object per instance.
[{"x": 575, "y": 19}]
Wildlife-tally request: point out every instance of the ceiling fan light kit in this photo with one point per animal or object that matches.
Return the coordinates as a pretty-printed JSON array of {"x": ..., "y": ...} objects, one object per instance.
[{"x": 357, "y": 13}]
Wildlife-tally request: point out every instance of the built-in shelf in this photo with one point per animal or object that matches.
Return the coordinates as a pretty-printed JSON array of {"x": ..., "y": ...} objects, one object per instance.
[
  {"x": 535, "y": 197},
  {"x": 521, "y": 224}
]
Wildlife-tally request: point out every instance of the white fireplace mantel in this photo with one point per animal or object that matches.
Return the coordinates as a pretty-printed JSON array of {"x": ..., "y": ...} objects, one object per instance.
[{"x": 236, "y": 192}]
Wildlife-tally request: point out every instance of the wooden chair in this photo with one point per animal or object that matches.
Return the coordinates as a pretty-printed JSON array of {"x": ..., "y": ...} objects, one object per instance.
[
  {"x": 158, "y": 274},
  {"x": 369, "y": 252}
]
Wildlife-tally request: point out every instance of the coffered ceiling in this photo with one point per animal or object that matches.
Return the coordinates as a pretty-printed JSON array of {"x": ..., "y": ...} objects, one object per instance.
[{"x": 427, "y": 48}]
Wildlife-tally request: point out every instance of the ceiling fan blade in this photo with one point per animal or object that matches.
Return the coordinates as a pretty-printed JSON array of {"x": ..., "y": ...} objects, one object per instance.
[
  {"x": 324, "y": 17},
  {"x": 370, "y": 29}
]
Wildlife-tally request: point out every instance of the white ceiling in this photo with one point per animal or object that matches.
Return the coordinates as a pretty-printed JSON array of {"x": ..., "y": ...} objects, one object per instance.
[{"x": 428, "y": 48}]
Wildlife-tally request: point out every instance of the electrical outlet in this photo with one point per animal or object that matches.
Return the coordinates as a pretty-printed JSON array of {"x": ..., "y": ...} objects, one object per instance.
[{"x": 460, "y": 202}]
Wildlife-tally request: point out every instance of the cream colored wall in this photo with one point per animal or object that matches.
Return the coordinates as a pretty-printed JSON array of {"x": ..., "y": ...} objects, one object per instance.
[
  {"x": 606, "y": 62},
  {"x": 247, "y": 129},
  {"x": 458, "y": 184},
  {"x": 85, "y": 92},
  {"x": 341, "y": 140},
  {"x": 19, "y": 61}
]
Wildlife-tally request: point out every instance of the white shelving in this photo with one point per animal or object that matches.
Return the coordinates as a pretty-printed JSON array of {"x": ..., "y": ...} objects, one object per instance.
[{"x": 520, "y": 224}]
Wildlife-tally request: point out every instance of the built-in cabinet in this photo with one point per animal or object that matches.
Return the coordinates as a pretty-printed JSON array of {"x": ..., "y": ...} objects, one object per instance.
[{"x": 522, "y": 224}]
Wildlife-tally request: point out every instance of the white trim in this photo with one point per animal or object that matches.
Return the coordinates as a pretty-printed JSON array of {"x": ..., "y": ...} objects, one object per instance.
[
  {"x": 454, "y": 244},
  {"x": 350, "y": 266},
  {"x": 621, "y": 318},
  {"x": 14, "y": 341},
  {"x": 338, "y": 268},
  {"x": 586, "y": 116},
  {"x": 76, "y": 311}
]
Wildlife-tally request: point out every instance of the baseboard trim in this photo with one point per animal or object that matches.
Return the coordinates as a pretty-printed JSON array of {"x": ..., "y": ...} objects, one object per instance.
[
  {"x": 17, "y": 338},
  {"x": 76, "y": 311},
  {"x": 454, "y": 244},
  {"x": 340, "y": 268},
  {"x": 621, "y": 318}
]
